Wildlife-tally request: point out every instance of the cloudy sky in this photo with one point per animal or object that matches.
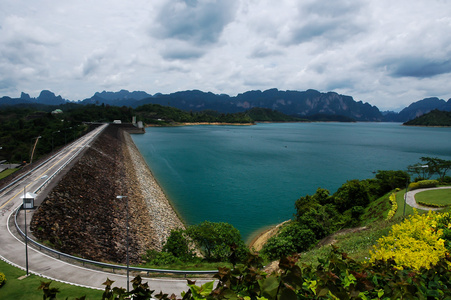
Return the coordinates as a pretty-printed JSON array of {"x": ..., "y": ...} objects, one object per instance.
[{"x": 388, "y": 53}]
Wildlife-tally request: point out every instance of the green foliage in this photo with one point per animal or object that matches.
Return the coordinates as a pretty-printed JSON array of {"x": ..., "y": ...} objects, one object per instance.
[
  {"x": 389, "y": 180},
  {"x": 269, "y": 115},
  {"x": 394, "y": 206},
  {"x": 335, "y": 277},
  {"x": 416, "y": 242},
  {"x": 352, "y": 193},
  {"x": 178, "y": 245},
  {"x": 164, "y": 115},
  {"x": 423, "y": 184},
  {"x": 2, "y": 279},
  {"x": 157, "y": 258},
  {"x": 437, "y": 166},
  {"x": 49, "y": 293},
  {"x": 433, "y": 118},
  {"x": 216, "y": 241},
  {"x": 292, "y": 238}
]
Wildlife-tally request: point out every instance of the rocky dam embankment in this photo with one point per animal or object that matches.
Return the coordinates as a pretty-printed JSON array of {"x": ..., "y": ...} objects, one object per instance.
[{"x": 81, "y": 216}]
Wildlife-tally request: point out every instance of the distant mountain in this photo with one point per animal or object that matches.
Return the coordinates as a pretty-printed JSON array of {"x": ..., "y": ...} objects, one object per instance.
[
  {"x": 45, "y": 97},
  {"x": 299, "y": 104},
  {"x": 49, "y": 98},
  {"x": 419, "y": 108},
  {"x": 292, "y": 103},
  {"x": 268, "y": 115},
  {"x": 433, "y": 118},
  {"x": 123, "y": 94}
]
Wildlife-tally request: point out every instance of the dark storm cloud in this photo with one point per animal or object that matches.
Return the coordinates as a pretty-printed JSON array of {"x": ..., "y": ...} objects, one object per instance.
[
  {"x": 419, "y": 67},
  {"x": 195, "y": 21}
]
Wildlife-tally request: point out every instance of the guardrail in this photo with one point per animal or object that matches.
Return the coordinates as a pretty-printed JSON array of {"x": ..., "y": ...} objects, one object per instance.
[
  {"x": 36, "y": 167},
  {"x": 100, "y": 264},
  {"x": 65, "y": 164},
  {"x": 92, "y": 262}
]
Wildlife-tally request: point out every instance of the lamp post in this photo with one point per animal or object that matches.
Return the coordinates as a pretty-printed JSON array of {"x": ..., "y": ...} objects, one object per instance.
[
  {"x": 28, "y": 203},
  {"x": 128, "y": 279},
  {"x": 34, "y": 147}
]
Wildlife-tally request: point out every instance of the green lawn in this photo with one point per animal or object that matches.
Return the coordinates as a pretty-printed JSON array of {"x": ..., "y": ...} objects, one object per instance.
[
  {"x": 27, "y": 288},
  {"x": 7, "y": 172},
  {"x": 434, "y": 197}
]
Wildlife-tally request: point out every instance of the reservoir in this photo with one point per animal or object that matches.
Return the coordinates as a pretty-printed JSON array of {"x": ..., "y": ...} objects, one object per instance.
[{"x": 250, "y": 176}]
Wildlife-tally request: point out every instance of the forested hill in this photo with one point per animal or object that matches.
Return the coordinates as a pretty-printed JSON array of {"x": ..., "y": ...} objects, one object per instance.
[
  {"x": 292, "y": 103},
  {"x": 433, "y": 118},
  {"x": 299, "y": 104}
]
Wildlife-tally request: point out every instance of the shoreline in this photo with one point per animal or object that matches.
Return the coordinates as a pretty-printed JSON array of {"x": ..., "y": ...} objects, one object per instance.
[
  {"x": 262, "y": 236},
  {"x": 163, "y": 216},
  {"x": 200, "y": 123}
]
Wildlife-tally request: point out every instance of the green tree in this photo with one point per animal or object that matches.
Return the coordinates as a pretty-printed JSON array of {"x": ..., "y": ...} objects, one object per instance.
[
  {"x": 389, "y": 180},
  {"x": 352, "y": 193},
  {"x": 178, "y": 245},
  {"x": 292, "y": 238},
  {"x": 216, "y": 239},
  {"x": 437, "y": 166}
]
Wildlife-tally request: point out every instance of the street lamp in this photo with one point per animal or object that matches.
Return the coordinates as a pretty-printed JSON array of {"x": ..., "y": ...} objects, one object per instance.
[
  {"x": 34, "y": 147},
  {"x": 128, "y": 279},
  {"x": 28, "y": 203}
]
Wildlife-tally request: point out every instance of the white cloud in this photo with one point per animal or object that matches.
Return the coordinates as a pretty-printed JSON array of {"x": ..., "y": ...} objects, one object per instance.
[{"x": 388, "y": 53}]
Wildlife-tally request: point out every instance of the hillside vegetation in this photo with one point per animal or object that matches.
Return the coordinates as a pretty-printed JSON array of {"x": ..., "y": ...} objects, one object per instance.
[{"x": 433, "y": 118}]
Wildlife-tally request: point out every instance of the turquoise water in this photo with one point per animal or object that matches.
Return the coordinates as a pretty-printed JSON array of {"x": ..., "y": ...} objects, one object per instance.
[{"x": 250, "y": 176}]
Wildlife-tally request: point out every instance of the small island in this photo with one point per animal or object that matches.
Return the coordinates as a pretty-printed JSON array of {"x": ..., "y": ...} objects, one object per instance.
[{"x": 436, "y": 118}]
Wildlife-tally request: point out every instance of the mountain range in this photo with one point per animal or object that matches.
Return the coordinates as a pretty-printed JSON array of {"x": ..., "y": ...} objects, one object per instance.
[{"x": 293, "y": 103}]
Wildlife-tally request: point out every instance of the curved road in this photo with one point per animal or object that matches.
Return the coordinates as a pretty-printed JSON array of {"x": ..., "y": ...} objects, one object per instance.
[
  {"x": 12, "y": 249},
  {"x": 410, "y": 198}
]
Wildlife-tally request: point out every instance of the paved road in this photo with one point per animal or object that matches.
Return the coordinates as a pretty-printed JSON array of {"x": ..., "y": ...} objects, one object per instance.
[
  {"x": 410, "y": 199},
  {"x": 12, "y": 248}
]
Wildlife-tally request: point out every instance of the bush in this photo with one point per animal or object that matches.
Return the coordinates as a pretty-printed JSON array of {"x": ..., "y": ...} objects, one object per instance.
[
  {"x": 178, "y": 244},
  {"x": 216, "y": 241},
  {"x": 156, "y": 258},
  {"x": 423, "y": 184},
  {"x": 446, "y": 179},
  {"x": 2, "y": 279},
  {"x": 415, "y": 243},
  {"x": 292, "y": 238},
  {"x": 394, "y": 206}
]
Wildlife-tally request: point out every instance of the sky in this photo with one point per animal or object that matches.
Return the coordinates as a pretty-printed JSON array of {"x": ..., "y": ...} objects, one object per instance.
[{"x": 388, "y": 53}]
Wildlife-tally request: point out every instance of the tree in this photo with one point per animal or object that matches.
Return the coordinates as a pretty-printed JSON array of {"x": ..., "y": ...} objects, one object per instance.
[
  {"x": 389, "y": 180},
  {"x": 352, "y": 193},
  {"x": 304, "y": 204},
  {"x": 292, "y": 238},
  {"x": 437, "y": 166},
  {"x": 178, "y": 244},
  {"x": 216, "y": 239}
]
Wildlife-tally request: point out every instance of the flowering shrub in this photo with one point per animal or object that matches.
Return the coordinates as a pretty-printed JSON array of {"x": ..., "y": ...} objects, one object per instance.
[
  {"x": 423, "y": 184},
  {"x": 414, "y": 243},
  {"x": 394, "y": 206},
  {"x": 2, "y": 279},
  {"x": 444, "y": 224}
]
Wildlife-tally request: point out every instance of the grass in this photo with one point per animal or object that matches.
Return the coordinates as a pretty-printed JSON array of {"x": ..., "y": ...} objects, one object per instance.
[
  {"x": 27, "y": 288},
  {"x": 434, "y": 197},
  {"x": 358, "y": 244},
  {"x": 7, "y": 172}
]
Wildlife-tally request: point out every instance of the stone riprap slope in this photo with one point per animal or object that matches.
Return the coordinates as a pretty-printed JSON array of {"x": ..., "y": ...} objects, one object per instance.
[{"x": 82, "y": 216}]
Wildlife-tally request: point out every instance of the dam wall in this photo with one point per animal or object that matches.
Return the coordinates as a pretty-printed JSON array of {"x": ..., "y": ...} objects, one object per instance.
[{"x": 82, "y": 216}]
